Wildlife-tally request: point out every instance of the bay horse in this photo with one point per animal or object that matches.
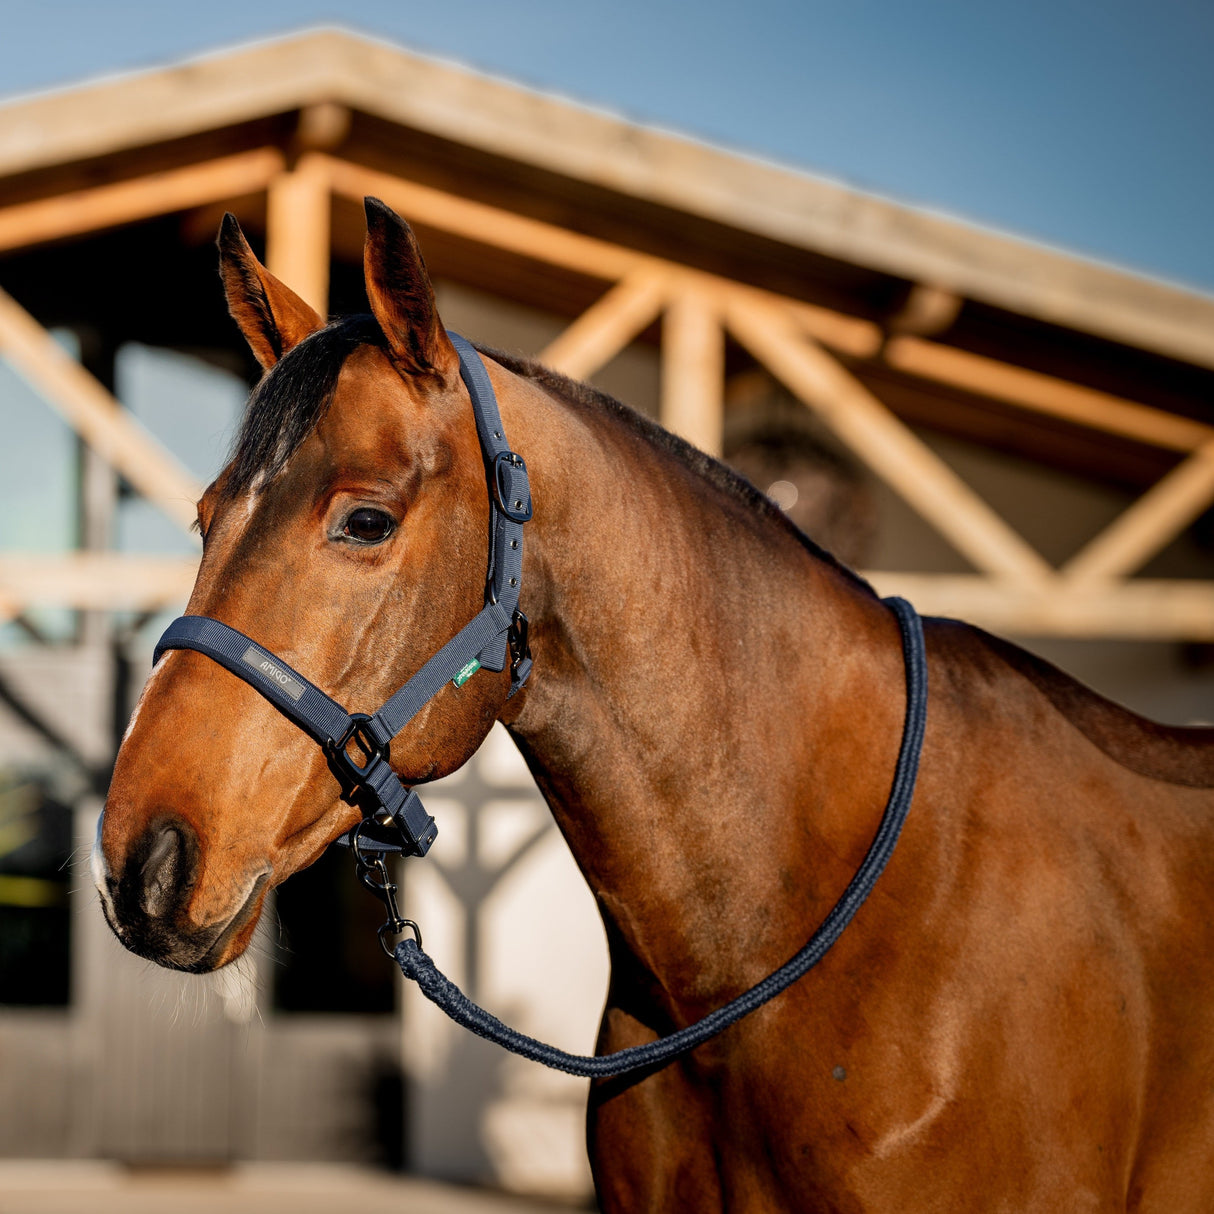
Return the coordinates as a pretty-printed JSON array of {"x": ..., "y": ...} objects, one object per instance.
[{"x": 1021, "y": 1017}]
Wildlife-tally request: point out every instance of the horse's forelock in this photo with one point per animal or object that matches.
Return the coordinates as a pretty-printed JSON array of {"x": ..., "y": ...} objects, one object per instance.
[{"x": 292, "y": 398}]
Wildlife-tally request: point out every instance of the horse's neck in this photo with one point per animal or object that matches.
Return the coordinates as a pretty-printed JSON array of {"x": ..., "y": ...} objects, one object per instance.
[{"x": 714, "y": 713}]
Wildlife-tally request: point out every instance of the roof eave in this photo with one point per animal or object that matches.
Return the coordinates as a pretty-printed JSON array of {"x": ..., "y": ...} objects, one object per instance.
[{"x": 558, "y": 135}]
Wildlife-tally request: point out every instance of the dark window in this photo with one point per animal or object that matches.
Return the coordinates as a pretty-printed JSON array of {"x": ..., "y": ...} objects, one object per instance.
[
  {"x": 328, "y": 957},
  {"x": 35, "y": 846}
]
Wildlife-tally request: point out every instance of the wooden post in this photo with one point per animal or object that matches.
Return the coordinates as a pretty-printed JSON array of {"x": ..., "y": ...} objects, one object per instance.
[
  {"x": 95, "y": 415},
  {"x": 1155, "y": 518},
  {"x": 693, "y": 370},
  {"x": 606, "y": 327},
  {"x": 297, "y": 229}
]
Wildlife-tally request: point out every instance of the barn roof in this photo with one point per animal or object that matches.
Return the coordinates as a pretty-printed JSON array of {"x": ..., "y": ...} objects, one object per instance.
[
  {"x": 585, "y": 154},
  {"x": 752, "y": 279}
]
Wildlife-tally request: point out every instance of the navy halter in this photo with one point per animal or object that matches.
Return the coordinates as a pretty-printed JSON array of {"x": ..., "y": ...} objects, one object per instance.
[{"x": 497, "y": 634}]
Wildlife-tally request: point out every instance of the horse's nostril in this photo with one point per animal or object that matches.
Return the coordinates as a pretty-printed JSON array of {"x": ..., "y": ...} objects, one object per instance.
[{"x": 164, "y": 872}]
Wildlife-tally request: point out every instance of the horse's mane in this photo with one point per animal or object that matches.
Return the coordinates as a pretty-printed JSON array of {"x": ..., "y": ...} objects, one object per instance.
[
  {"x": 293, "y": 396},
  {"x": 717, "y": 474}
]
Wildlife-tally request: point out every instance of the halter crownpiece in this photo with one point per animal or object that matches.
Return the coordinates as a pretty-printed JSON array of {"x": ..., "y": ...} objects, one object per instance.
[{"x": 497, "y": 634}]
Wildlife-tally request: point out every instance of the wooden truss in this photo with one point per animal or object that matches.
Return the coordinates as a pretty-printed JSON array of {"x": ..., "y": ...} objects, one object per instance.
[{"x": 1013, "y": 589}]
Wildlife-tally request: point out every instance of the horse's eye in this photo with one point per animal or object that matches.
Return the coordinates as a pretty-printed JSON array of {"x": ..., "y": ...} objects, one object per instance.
[{"x": 368, "y": 526}]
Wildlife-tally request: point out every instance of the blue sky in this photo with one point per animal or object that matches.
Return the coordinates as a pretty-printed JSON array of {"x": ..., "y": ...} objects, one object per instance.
[{"x": 1083, "y": 124}]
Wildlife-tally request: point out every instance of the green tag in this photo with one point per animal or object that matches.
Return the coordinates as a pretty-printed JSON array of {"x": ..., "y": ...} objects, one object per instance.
[{"x": 467, "y": 672}]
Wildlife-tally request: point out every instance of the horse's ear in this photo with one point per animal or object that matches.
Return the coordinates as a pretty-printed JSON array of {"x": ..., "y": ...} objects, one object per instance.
[
  {"x": 401, "y": 296},
  {"x": 270, "y": 315}
]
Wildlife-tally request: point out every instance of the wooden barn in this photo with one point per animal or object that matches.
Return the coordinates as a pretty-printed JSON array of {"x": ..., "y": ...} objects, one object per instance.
[{"x": 993, "y": 429}]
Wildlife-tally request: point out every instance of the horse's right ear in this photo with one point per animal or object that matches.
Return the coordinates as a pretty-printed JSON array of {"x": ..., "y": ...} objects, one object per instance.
[{"x": 270, "y": 315}]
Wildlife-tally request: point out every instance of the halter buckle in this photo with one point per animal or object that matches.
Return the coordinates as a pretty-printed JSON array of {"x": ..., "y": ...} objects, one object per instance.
[
  {"x": 511, "y": 487},
  {"x": 359, "y": 731}
]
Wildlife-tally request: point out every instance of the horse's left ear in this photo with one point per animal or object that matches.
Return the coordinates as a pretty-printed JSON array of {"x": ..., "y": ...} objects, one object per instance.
[{"x": 400, "y": 294}]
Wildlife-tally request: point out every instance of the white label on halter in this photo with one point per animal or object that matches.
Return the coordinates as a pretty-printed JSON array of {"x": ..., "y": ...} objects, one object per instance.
[{"x": 262, "y": 664}]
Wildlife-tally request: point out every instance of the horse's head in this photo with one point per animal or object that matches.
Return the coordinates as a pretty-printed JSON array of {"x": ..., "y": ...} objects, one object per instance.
[{"x": 348, "y": 535}]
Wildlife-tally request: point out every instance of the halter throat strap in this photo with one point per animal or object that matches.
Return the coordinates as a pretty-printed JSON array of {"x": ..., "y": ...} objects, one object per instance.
[{"x": 357, "y": 744}]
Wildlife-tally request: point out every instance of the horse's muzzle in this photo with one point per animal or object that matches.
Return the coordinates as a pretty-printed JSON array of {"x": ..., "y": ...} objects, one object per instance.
[{"x": 147, "y": 904}]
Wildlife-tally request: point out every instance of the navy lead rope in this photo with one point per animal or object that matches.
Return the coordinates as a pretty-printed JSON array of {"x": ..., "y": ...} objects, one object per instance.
[{"x": 440, "y": 990}]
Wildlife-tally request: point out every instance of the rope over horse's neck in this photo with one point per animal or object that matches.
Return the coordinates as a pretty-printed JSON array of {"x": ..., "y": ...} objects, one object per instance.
[
  {"x": 415, "y": 964},
  {"x": 717, "y": 710}
]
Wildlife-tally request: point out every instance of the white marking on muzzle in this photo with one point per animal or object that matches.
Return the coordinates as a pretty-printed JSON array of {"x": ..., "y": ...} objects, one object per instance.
[{"x": 98, "y": 869}]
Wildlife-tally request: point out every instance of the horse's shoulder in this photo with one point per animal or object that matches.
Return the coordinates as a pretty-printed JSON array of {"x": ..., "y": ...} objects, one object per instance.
[{"x": 1161, "y": 752}]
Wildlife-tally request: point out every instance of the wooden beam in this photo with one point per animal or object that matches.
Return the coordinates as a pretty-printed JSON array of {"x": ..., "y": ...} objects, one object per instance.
[
  {"x": 476, "y": 221},
  {"x": 928, "y": 310},
  {"x": 693, "y": 369},
  {"x": 298, "y": 226},
  {"x": 1157, "y": 517},
  {"x": 1140, "y": 609},
  {"x": 605, "y": 328},
  {"x": 94, "y": 581},
  {"x": 1045, "y": 394},
  {"x": 847, "y": 334},
  {"x": 98, "y": 487},
  {"x": 107, "y": 206},
  {"x": 95, "y": 415},
  {"x": 322, "y": 126},
  {"x": 889, "y": 448},
  {"x": 551, "y": 245}
]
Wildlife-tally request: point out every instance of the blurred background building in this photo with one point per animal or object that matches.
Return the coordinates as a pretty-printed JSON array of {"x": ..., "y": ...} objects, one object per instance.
[{"x": 997, "y": 430}]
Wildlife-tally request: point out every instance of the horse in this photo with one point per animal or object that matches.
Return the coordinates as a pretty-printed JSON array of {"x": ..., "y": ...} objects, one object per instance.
[{"x": 1020, "y": 1016}]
